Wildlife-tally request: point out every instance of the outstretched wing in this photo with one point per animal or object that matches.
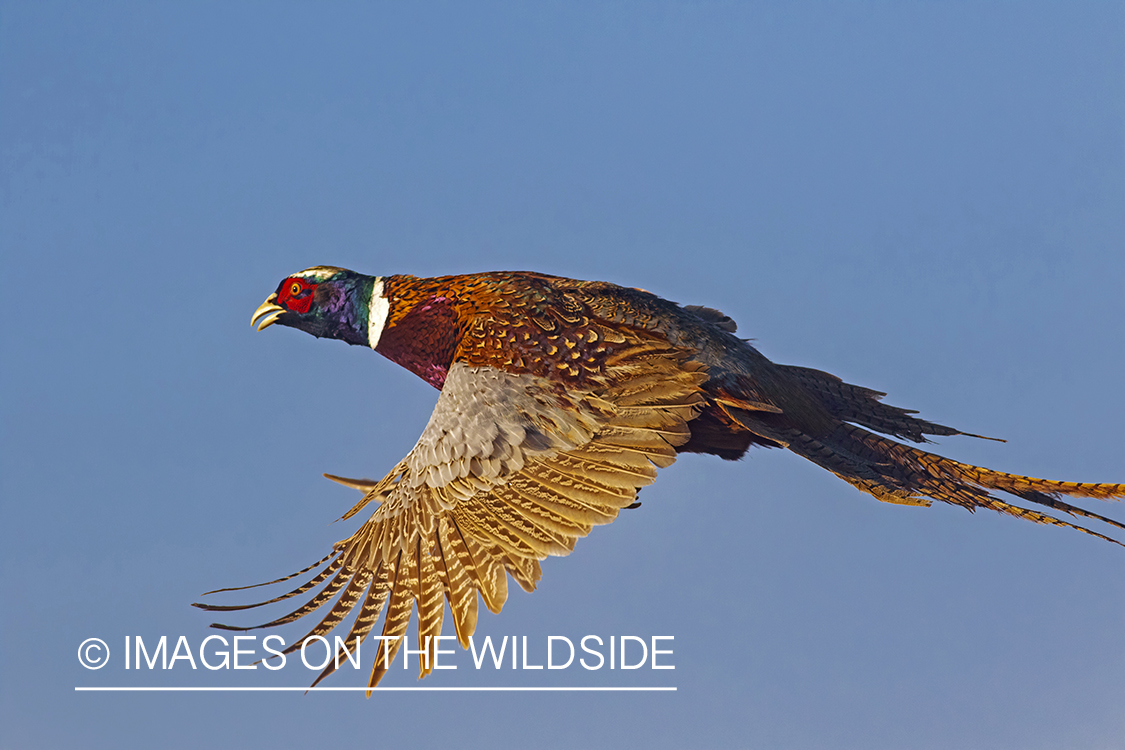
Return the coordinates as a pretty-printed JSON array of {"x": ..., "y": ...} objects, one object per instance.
[{"x": 510, "y": 468}]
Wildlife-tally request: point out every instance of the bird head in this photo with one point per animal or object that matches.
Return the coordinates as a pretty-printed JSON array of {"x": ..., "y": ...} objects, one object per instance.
[{"x": 326, "y": 301}]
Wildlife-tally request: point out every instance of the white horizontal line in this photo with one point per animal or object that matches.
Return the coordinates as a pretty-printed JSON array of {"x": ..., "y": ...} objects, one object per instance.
[{"x": 374, "y": 690}]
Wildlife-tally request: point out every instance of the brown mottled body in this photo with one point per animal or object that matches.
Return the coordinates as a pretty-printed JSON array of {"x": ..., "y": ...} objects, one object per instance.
[
  {"x": 565, "y": 330},
  {"x": 513, "y": 322}
]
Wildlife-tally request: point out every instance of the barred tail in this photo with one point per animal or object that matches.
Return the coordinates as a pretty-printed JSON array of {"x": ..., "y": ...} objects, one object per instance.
[{"x": 897, "y": 473}]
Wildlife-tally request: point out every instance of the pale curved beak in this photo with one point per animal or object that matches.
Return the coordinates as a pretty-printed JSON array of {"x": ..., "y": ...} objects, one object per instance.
[{"x": 268, "y": 312}]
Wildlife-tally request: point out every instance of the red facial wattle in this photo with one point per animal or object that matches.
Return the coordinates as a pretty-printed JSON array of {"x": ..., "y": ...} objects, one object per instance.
[{"x": 296, "y": 294}]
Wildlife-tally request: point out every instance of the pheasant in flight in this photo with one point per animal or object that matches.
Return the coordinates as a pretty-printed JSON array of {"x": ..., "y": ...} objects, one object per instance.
[{"x": 559, "y": 400}]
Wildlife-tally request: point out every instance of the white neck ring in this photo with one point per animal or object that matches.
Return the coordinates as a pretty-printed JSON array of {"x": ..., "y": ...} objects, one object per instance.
[{"x": 377, "y": 313}]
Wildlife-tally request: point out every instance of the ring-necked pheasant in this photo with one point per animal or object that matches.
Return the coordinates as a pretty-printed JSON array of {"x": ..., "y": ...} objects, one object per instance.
[{"x": 559, "y": 400}]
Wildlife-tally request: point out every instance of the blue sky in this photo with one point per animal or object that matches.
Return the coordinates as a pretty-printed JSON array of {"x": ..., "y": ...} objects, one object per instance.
[{"x": 927, "y": 199}]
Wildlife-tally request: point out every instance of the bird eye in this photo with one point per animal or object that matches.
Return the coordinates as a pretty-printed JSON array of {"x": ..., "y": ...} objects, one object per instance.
[{"x": 295, "y": 289}]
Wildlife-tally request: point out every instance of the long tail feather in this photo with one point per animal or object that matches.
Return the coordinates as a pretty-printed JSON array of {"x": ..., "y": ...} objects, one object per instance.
[
  {"x": 897, "y": 473},
  {"x": 853, "y": 403}
]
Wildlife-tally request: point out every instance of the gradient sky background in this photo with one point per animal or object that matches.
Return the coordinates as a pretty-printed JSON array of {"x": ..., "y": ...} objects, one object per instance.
[{"x": 927, "y": 199}]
